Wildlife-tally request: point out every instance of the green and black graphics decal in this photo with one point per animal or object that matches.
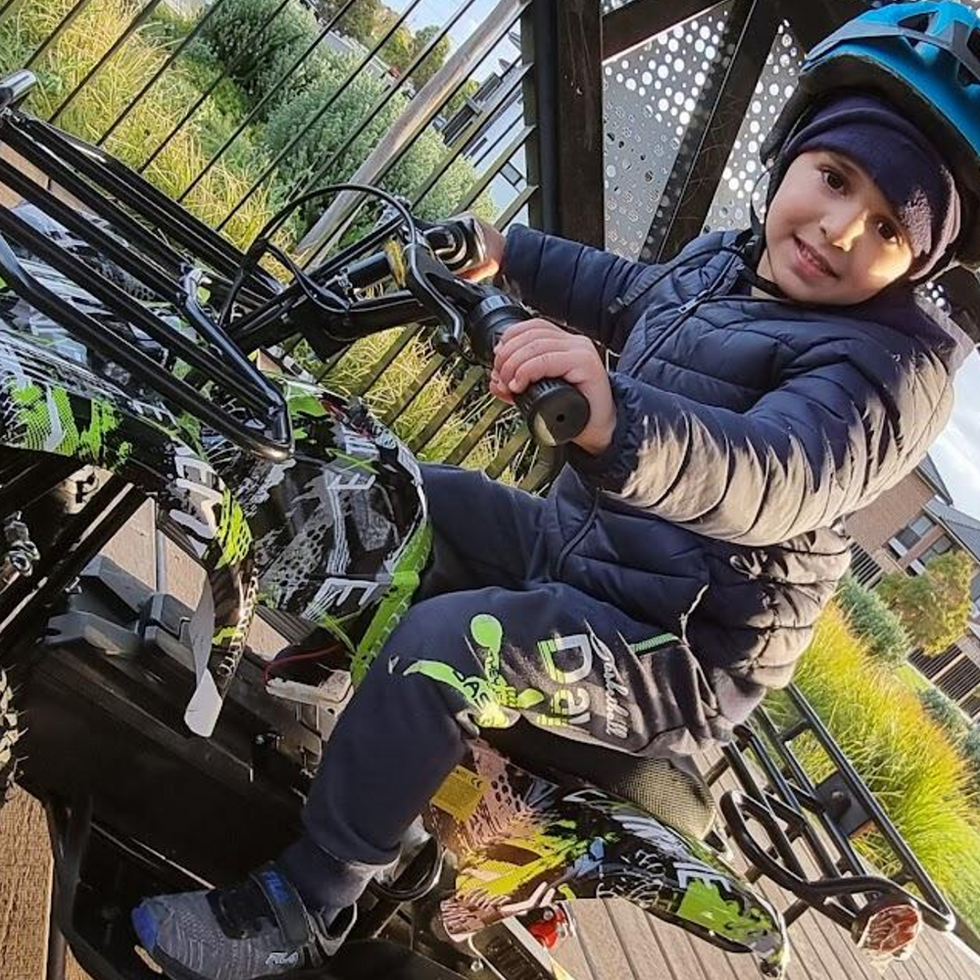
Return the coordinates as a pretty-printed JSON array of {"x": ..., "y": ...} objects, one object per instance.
[{"x": 335, "y": 535}]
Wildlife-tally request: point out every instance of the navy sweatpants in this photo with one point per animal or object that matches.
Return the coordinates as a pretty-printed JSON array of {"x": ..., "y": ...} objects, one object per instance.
[{"x": 490, "y": 639}]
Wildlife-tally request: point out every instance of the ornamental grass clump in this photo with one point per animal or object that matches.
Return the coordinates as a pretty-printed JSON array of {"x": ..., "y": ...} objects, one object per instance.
[
  {"x": 919, "y": 776},
  {"x": 355, "y": 369}
]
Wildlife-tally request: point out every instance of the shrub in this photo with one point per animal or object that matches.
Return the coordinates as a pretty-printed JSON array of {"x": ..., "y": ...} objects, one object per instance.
[
  {"x": 944, "y": 712},
  {"x": 873, "y": 621},
  {"x": 320, "y": 138},
  {"x": 970, "y": 747},
  {"x": 256, "y": 42}
]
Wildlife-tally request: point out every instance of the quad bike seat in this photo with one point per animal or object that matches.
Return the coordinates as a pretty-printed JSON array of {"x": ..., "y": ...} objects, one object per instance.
[{"x": 668, "y": 788}]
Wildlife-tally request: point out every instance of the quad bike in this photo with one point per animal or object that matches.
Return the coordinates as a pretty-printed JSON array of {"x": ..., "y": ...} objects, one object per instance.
[{"x": 167, "y": 753}]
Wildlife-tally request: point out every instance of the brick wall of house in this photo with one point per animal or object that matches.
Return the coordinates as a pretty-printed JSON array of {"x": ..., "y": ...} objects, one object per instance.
[{"x": 873, "y": 526}]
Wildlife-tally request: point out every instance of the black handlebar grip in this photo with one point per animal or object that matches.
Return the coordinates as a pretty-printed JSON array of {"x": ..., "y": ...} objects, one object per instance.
[{"x": 555, "y": 411}]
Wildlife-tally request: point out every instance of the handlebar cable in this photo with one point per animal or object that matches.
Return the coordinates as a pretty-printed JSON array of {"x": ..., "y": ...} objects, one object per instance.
[{"x": 262, "y": 241}]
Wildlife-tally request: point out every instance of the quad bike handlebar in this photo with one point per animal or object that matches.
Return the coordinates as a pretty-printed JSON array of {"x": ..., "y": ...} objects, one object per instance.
[
  {"x": 469, "y": 318},
  {"x": 331, "y": 305}
]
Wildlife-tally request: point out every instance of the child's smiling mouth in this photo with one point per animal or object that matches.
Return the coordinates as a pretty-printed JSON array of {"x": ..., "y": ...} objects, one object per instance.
[{"x": 811, "y": 262}]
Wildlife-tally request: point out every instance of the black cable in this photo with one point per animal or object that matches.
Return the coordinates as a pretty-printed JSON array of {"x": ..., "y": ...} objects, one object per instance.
[{"x": 262, "y": 242}]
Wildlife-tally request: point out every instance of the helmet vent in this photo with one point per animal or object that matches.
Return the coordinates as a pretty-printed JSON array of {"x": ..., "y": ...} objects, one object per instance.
[
  {"x": 973, "y": 43},
  {"x": 919, "y": 23},
  {"x": 966, "y": 77}
]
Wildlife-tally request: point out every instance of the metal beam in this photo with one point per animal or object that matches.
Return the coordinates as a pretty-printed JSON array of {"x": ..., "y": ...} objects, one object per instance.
[
  {"x": 708, "y": 142},
  {"x": 625, "y": 27},
  {"x": 567, "y": 161}
]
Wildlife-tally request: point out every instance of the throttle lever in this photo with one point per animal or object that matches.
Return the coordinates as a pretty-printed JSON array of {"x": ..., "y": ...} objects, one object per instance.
[{"x": 419, "y": 273}]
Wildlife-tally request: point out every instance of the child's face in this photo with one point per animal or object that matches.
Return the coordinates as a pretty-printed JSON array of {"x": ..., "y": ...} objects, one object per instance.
[{"x": 831, "y": 236}]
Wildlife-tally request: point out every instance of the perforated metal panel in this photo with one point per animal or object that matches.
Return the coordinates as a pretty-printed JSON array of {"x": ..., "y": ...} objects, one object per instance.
[
  {"x": 742, "y": 182},
  {"x": 649, "y": 96}
]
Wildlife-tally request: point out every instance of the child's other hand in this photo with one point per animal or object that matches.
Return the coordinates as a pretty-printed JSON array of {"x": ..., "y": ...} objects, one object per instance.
[
  {"x": 494, "y": 242},
  {"x": 536, "y": 349}
]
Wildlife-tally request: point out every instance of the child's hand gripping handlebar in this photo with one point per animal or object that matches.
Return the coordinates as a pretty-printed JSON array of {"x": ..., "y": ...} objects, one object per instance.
[{"x": 555, "y": 411}]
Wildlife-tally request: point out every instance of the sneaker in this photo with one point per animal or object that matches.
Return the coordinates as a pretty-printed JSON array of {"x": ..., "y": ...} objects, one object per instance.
[{"x": 250, "y": 931}]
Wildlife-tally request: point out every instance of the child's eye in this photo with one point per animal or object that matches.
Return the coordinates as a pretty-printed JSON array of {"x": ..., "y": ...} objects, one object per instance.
[
  {"x": 833, "y": 179},
  {"x": 888, "y": 231}
]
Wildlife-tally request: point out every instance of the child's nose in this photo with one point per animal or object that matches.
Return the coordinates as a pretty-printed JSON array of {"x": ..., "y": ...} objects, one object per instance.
[{"x": 844, "y": 226}]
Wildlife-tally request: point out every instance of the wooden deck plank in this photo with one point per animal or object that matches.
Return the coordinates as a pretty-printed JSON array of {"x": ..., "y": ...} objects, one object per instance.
[
  {"x": 944, "y": 955},
  {"x": 604, "y": 955},
  {"x": 678, "y": 951},
  {"x": 809, "y": 957},
  {"x": 922, "y": 964},
  {"x": 967, "y": 958},
  {"x": 570, "y": 955},
  {"x": 720, "y": 966},
  {"x": 635, "y": 935}
]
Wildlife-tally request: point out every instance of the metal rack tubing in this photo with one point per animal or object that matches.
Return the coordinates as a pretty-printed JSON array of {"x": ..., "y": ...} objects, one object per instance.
[
  {"x": 122, "y": 255},
  {"x": 108, "y": 173}
]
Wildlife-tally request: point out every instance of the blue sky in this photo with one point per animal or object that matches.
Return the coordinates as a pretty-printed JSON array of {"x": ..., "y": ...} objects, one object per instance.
[{"x": 440, "y": 11}]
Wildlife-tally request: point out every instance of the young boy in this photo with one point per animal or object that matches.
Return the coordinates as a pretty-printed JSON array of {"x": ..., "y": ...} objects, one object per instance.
[{"x": 765, "y": 387}]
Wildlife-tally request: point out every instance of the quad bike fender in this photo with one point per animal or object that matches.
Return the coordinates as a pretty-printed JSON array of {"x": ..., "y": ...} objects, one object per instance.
[{"x": 522, "y": 842}]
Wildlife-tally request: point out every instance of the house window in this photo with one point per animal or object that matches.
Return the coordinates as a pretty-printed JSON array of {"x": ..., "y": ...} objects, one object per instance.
[
  {"x": 939, "y": 547},
  {"x": 910, "y": 534}
]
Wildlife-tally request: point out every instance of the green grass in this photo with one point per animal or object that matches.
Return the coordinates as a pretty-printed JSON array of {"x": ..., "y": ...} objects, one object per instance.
[{"x": 909, "y": 762}]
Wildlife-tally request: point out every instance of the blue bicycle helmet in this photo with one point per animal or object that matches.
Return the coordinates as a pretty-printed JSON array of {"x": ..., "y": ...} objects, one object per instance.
[{"x": 922, "y": 57}]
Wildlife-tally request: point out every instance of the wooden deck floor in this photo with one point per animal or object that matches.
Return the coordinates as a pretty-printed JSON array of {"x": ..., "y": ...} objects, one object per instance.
[{"x": 616, "y": 941}]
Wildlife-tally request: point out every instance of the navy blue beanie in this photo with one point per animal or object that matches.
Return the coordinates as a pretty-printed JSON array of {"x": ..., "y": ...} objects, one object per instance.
[{"x": 906, "y": 167}]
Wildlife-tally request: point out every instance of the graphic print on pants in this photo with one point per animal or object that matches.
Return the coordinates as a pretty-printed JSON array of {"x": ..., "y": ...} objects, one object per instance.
[{"x": 572, "y": 665}]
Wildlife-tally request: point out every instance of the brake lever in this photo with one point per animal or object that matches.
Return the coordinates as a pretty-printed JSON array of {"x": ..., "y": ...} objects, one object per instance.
[{"x": 433, "y": 285}]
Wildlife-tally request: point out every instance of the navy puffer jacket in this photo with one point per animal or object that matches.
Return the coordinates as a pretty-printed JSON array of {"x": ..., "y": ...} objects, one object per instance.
[{"x": 747, "y": 428}]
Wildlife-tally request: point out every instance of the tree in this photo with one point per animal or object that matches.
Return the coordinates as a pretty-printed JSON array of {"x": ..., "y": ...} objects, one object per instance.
[
  {"x": 434, "y": 60},
  {"x": 362, "y": 21},
  {"x": 256, "y": 43},
  {"x": 934, "y": 607},
  {"x": 400, "y": 49}
]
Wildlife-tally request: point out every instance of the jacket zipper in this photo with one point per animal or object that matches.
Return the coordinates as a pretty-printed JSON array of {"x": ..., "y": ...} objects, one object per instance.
[
  {"x": 579, "y": 534},
  {"x": 684, "y": 311}
]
